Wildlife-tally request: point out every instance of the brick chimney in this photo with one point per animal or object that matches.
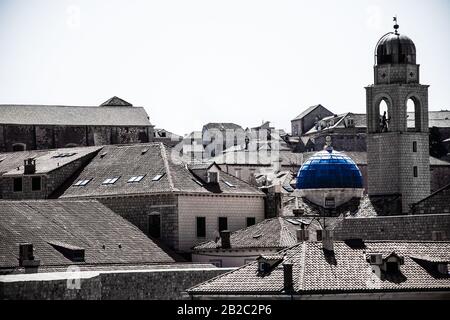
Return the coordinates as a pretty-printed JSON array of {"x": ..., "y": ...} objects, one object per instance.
[
  {"x": 327, "y": 240},
  {"x": 302, "y": 234},
  {"x": 26, "y": 257},
  {"x": 225, "y": 236},
  {"x": 287, "y": 275},
  {"x": 29, "y": 166}
]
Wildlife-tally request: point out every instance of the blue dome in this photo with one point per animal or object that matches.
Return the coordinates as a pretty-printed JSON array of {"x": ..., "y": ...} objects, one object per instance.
[{"x": 329, "y": 169}]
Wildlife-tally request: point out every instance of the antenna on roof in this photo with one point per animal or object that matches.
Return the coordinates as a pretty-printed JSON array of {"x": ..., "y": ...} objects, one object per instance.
[{"x": 396, "y": 26}]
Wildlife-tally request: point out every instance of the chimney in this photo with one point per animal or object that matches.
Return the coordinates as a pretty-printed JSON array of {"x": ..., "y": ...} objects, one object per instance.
[
  {"x": 26, "y": 257},
  {"x": 29, "y": 166},
  {"x": 225, "y": 236},
  {"x": 287, "y": 272},
  {"x": 302, "y": 235},
  {"x": 327, "y": 240}
]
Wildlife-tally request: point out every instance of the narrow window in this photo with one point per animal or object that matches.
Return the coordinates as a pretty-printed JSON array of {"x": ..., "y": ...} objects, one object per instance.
[
  {"x": 201, "y": 227},
  {"x": 250, "y": 221},
  {"x": 415, "y": 171},
  {"x": 223, "y": 223},
  {"x": 154, "y": 225},
  {"x": 217, "y": 263},
  {"x": 18, "y": 185},
  {"x": 35, "y": 183},
  {"x": 414, "y": 146}
]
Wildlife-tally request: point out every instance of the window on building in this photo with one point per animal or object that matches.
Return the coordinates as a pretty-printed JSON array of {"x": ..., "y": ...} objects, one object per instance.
[
  {"x": 250, "y": 221},
  {"x": 36, "y": 183},
  {"x": 136, "y": 179},
  {"x": 17, "y": 185},
  {"x": 217, "y": 263},
  {"x": 392, "y": 267},
  {"x": 201, "y": 227},
  {"x": 19, "y": 147},
  {"x": 154, "y": 225},
  {"x": 111, "y": 180},
  {"x": 414, "y": 146},
  {"x": 223, "y": 223},
  {"x": 415, "y": 172}
]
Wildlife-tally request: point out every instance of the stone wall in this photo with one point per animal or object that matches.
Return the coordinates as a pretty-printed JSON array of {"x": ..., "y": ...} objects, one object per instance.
[
  {"x": 438, "y": 202},
  {"x": 51, "y": 137},
  {"x": 136, "y": 209},
  {"x": 166, "y": 284}
]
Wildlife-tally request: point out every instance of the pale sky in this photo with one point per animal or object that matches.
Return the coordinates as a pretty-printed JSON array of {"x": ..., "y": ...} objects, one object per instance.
[{"x": 189, "y": 62}]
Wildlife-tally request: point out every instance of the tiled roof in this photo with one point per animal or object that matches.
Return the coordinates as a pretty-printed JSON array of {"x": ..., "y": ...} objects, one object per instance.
[
  {"x": 403, "y": 227},
  {"x": 74, "y": 115},
  {"x": 246, "y": 157},
  {"x": 306, "y": 112},
  {"x": 222, "y": 126},
  {"x": 82, "y": 224},
  {"x": 345, "y": 269},
  {"x": 269, "y": 233},
  {"x": 149, "y": 160},
  {"x": 46, "y": 160}
]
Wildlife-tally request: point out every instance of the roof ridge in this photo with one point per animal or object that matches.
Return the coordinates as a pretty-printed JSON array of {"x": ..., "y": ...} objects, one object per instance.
[{"x": 166, "y": 164}]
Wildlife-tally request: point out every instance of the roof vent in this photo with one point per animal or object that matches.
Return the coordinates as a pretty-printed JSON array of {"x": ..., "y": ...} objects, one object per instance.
[{"x": 29, "y": 166}]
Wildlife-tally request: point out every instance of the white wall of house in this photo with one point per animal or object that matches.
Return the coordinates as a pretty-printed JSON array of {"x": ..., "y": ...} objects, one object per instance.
[
  {"x": 236, "y": 208},
  {"x": 230, "y": 258}
]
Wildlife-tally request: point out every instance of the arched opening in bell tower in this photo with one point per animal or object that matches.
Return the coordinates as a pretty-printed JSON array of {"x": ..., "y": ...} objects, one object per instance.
[
  {"x": 383, "y": 112},
  {"x": 414, "y": 117}
]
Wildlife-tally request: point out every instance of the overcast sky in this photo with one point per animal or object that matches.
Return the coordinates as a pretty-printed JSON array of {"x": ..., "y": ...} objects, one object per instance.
[{"x": 189, "y": 62}]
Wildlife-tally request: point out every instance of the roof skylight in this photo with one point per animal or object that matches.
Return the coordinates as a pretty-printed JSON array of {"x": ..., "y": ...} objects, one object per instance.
[
  {"x": 229, "y": 184},
  {"x": 111, "y": 180},
  {"x": 158, "y": 177},
  {"x": 135, "y": 179},
  {"x": 82, "y": 183}
]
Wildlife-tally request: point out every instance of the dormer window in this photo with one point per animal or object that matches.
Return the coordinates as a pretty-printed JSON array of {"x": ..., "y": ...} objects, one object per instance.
[
  {"x": 213, "y": 177},
  {"x": 267, "y": 263},
  {"x": 392, "y": 267}
]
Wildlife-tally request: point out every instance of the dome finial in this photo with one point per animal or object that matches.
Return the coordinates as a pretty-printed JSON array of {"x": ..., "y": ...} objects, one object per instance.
[{"x": 396, "y": 26}]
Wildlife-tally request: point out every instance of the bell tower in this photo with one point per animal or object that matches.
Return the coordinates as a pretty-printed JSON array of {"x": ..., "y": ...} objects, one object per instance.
[{"x": 397, "y": 141}]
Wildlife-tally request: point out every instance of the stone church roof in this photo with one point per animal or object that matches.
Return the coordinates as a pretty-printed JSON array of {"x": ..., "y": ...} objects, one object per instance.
[
  {"x": 106, "y": 115},
  {"x": 50, "y": 225}
]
